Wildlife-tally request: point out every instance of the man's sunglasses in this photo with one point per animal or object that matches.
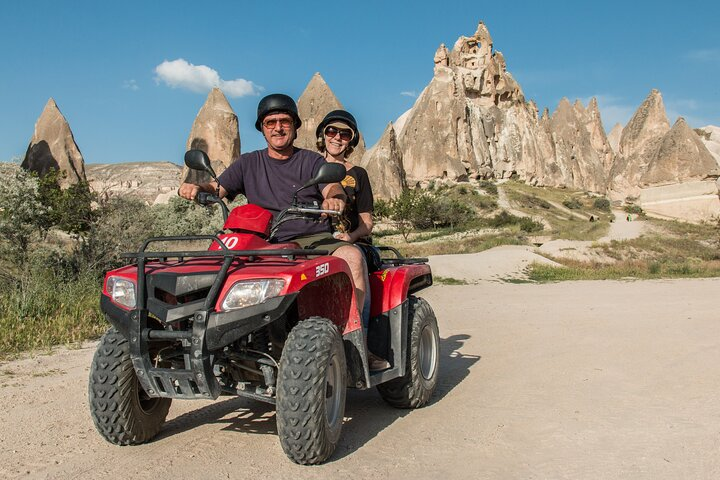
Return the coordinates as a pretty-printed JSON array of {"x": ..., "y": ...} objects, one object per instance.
[
  {"x": 345, "y": 134},
  {"x": 272, "y": 123}
]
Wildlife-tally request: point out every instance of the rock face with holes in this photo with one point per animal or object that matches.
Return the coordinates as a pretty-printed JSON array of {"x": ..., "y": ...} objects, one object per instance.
[
  {"x": 472, "y": 121},
  {"x": 384, "y": 165},
  {"x": 53, "y": 147},
  {"x": 314, "y": 103},
  {"x": 215, "y": 131},
  {"x": 152, "y": 182}
]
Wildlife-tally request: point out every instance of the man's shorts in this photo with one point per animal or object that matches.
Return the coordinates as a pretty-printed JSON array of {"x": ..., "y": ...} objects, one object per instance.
[{"x": 320, "y": 241}]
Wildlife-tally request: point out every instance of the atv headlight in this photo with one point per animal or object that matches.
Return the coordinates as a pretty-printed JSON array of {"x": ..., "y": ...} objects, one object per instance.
[
  {"x": 251, "y": 292},
  {"x": 122, "y": 291}
]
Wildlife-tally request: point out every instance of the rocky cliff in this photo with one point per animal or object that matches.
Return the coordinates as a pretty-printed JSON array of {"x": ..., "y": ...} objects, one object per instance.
[
  {"x": 53, "y": 146},
  {"x": 214, "y": 131},
  {"x": 473, "y": 121},
  {"x": 384, "y": 165},
  {"x": 152, "y": 182}
]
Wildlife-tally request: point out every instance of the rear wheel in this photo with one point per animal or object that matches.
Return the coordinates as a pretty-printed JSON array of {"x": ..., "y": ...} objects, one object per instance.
[
  {"x": 311, "y": 391},
  {"x": 123, "y": 413},
  {"x": 414, "y": 389}
]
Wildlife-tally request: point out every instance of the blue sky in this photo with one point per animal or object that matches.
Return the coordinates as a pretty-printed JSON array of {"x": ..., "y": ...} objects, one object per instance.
[{"x": 99, "y": 61}]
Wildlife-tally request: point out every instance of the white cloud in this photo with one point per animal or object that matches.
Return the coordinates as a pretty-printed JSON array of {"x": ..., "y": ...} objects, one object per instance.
[
  {"x": 408, "y": 93},
  {"x": 131, "y": 85},
  {"x": 201, "y": 79}
]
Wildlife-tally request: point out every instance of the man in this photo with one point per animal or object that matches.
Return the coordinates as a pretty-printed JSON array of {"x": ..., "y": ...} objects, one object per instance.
[{"x": 269, "y": 178}]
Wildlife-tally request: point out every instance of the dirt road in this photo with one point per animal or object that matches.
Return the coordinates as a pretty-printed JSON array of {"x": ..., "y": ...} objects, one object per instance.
[{"x": 573, "y": 380}]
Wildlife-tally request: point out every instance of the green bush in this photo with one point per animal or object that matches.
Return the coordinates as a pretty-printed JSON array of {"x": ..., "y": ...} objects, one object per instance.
[
  {"x": 634, "y": 209},
  {"x": 505, "y": 219},
  {"x": 602, "y": 204},
  {"x": 572, "y": 203}
]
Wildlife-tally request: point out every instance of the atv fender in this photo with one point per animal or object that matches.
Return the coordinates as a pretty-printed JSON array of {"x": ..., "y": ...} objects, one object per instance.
[{"x": 391, "y": 286}]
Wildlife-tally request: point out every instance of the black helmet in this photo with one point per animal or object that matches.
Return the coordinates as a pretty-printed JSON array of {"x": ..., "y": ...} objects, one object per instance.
[
  {"x": 277, "y": 103},
  {"x": 340, "y": 116}
]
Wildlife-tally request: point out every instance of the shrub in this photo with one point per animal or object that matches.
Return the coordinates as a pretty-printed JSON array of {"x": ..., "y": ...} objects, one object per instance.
[
  {"x": 572, "y": 203},
  {"x": 602, "y": 204},
  {"x": 634, "y": 209}
]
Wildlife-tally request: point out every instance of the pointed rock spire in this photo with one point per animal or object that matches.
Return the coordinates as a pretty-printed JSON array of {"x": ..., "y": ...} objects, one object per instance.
[
  {"x": 215, "y": 131},
  {"x": 598, "y": 139},
  {"x": 384, "y": 165},
  {"x": 639, "y": 143},
  {"x": 53, "y": 147},
  {"x": 648, "y": 123},
  {"x": 682, "y": 156}
]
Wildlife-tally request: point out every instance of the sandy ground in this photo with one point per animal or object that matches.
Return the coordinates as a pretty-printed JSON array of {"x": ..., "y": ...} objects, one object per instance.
[{"x": 590, "y": 380}]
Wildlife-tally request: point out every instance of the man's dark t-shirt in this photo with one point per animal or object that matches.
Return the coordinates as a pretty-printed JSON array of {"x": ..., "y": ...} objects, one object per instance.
[{"x": 271, "y": 183}]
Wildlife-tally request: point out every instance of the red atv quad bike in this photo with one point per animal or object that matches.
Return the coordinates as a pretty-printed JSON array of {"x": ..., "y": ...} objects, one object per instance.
[{"x": 263, "y": 320}]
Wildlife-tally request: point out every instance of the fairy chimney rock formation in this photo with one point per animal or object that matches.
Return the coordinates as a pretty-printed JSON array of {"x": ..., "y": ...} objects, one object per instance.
[
  {"x": 384, "y": 165},
  {"x": 471, "y": 120},
  {"x": 215, "y": 132},
  {"x": 598, "y": 139},
  {"x": 639, "y": 143},
  {"x": 314, "y": 103},
  {"x": 53, "y": 147},
  {"x": 681, "y": 156}
]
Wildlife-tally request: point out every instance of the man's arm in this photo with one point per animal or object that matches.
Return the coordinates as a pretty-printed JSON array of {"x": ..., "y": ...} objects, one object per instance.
[
  {"x": 334, "y": 196},
  {"x": 189, "y": 190}
]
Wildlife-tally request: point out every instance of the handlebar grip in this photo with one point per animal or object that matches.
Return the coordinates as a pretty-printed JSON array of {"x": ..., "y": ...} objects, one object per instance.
[{"x": 205, "y": 198}]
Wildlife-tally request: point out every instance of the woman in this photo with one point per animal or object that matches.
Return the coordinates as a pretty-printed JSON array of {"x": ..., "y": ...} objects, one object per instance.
[{"x": 337, "y": 136}]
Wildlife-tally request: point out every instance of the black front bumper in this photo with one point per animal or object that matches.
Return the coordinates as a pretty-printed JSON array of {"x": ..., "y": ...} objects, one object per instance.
[{"x": 208, "y": 333}]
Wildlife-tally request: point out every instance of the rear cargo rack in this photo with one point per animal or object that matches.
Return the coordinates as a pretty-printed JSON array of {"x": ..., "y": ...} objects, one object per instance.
[{"x": 399, "y": 259}]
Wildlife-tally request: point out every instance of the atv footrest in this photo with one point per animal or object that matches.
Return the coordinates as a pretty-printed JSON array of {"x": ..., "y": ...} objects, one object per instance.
[
  {"x": 195, "y": 381},
  {"x": 175, "y": 383}
]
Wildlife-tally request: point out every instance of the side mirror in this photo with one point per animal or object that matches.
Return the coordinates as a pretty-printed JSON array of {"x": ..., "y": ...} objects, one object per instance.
[
  {"x": 329, "y": 173},
  {"x": 198, "y": 160}
]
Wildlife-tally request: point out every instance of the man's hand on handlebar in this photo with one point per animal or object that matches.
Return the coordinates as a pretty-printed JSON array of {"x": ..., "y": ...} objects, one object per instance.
[
  {"x": 335, "y": 204},
  {"x": 188, "y": 191}
]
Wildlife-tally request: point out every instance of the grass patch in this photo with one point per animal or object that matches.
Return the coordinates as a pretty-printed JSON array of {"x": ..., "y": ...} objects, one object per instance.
[
  {"x": 458, "y": 245},
  {"x": 448, "y": 281},
  {"x": 40, "y": 312},
  {"x": 640, "y": 270},
  {"x": 536, "y": 201}
]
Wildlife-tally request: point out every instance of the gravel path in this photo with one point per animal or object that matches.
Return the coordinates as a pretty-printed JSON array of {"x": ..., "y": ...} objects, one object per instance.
[{"x": 591, "y": 380}]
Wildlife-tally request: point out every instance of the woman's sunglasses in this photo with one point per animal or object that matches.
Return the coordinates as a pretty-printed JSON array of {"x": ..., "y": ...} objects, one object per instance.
[{"x": 345, "y": 134}]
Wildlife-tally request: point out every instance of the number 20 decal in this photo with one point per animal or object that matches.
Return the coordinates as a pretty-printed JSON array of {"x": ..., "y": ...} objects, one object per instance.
[{"x": 322, "y": 269}]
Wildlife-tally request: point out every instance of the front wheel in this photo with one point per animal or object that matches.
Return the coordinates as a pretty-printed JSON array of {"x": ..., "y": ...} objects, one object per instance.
[
  {"x": 311, "y": 391},
  {"x": 123, "y": 413},
  {"x": 414, "y": 389}
]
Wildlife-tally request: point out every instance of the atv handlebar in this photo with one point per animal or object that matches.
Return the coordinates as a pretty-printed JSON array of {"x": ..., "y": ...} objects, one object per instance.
[{"x": 207, "y": 199}]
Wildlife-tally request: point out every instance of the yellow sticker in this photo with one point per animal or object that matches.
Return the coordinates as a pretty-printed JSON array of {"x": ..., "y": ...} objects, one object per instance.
[
  {"x": 384, "y": 274},
  {"x": 303, "y": 277}
]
